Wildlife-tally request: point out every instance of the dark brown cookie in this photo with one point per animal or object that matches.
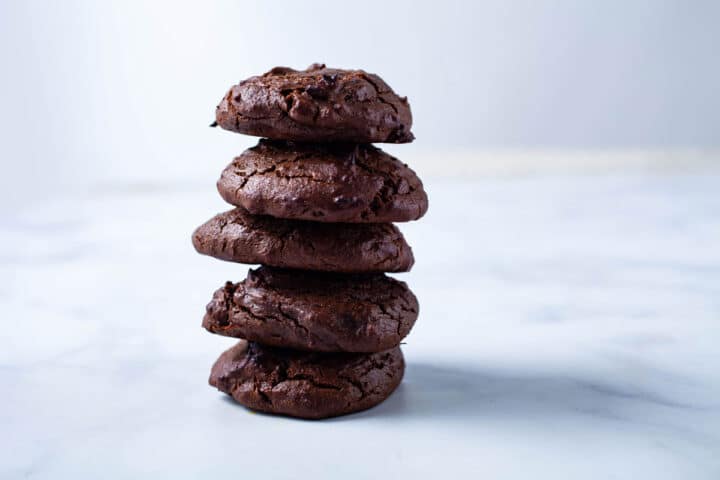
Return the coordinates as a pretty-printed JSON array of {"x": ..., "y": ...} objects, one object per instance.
[
  {"x": 240, "y": 237},
  {"x": 323, "y": 182},
  {"x": 317, "y": 105},
  {"x": 326, "y": 312},
  {"x": 306, "y": 384}
]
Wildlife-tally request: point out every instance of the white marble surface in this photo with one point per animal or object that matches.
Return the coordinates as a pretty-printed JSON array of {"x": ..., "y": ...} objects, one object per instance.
[{"x": 569, "y": 328}]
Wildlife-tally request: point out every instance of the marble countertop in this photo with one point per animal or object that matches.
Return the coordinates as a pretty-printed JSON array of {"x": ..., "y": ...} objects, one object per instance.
[{"x": 569, "y": 328}]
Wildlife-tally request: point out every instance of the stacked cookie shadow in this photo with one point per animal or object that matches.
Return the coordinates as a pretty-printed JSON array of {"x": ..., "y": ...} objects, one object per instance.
[{"x": 320, "y": 322}]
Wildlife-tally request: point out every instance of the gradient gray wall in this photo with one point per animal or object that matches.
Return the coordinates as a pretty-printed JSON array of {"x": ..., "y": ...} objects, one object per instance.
[{"x": 126, "y": 89}]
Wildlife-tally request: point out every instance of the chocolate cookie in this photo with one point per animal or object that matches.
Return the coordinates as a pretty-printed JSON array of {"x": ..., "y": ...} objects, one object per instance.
[
  {"x": 305, "y": 310},
  {"x": 306, "y": 384},
  {"x": 318, "y": 105},
  {"x": 240, "y": 237},
  {"x": 323, "y": 182}
]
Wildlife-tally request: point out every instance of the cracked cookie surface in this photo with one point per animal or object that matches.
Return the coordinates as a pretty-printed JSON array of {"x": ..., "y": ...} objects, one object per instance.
[
  {"x": 306, "y": 384},
  {"x": 323, "y": 182},
  {"x": 315, "y": 311},
  {"x": 318, "y": 104},
  {"x": 238, "y": 236}
]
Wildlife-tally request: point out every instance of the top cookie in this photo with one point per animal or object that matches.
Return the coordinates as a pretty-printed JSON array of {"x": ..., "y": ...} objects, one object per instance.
[{"x": 319, "y": 105}]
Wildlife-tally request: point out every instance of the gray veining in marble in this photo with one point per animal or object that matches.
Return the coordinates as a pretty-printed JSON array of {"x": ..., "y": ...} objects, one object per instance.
[{"x": 569, "y": 328}]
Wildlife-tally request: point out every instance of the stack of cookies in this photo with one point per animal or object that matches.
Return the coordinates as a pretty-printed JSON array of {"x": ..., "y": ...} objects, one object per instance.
[{"x": 320, "y": 322}]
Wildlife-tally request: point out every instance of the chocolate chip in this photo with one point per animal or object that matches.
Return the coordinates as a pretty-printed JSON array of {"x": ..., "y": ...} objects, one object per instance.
[
  {"x": 281, "y": 71},
  {"x": 319, "y": 91},
  {"x": 322, "y": 89}
]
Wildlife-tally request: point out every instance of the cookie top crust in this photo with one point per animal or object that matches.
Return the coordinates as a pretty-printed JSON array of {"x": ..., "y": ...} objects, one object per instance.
[
  {"x": 306, "y": 384},
  {"x": 340, "y": 182},
  {"x": 316, "y": 311},
  {"x": 238, "y": 236},
  {"x": 318, "y": 104}
]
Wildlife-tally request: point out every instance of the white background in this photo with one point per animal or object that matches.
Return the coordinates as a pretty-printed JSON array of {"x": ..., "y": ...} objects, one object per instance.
[{"x": 125, "y": 90}]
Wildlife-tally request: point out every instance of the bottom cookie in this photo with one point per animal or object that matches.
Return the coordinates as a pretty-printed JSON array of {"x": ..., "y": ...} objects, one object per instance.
[{"x": 306, "y": 384}]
